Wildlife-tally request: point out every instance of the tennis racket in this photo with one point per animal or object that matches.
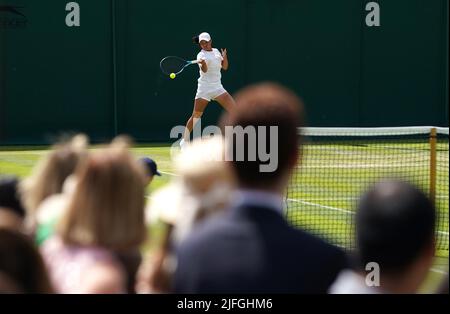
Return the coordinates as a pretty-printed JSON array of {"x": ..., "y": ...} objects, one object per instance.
[{"x": 175, "y": 65}]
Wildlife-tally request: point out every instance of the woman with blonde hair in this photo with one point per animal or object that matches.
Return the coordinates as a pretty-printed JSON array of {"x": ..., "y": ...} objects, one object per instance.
[
  {"x": 104, "y": 219},
  {"x": 49, "y": 175}
]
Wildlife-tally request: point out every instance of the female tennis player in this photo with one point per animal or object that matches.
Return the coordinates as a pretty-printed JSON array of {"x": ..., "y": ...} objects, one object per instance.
[{"x": 209, "y": 83}]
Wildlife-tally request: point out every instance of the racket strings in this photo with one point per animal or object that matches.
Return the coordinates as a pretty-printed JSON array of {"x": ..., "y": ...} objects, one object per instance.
[{"x": 172, "y": 65}]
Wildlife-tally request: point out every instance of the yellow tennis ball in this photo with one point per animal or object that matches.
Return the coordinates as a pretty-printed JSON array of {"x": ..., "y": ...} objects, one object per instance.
[{"x": 172, "y": 75}]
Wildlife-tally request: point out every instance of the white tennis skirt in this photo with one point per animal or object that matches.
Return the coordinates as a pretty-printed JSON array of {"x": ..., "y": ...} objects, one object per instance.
[{"x": 209, "y": 91}]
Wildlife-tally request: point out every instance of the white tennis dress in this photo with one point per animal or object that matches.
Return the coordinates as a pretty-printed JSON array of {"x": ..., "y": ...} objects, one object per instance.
[{"x": 209, "y": 83}]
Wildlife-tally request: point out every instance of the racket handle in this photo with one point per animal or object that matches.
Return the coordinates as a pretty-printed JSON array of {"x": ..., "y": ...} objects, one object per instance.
[{"x": 195, "y": 61}]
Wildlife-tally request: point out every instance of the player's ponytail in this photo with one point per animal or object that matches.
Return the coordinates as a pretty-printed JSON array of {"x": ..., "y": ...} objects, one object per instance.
[{"x": 195, "y": 39}]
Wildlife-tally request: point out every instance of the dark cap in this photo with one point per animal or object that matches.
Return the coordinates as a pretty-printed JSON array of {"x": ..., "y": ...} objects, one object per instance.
[
  {"x": 9, "y": 198},
  {"x": 151, "y": 166}
]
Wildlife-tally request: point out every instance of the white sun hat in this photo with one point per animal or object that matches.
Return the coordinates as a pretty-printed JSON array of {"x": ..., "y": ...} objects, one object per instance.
[{"x": 204, "y": 36}]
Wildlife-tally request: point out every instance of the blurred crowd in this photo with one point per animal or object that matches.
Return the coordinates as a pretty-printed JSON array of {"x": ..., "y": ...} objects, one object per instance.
[{"x": 81, "y": 221}]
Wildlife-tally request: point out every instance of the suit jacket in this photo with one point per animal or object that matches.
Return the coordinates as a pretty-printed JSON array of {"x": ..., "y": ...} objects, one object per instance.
[{"x": 252, "y": 249}]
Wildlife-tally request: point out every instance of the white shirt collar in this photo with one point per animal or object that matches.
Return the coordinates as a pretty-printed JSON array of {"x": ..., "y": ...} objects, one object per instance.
[{"x": 258, "y": 198}]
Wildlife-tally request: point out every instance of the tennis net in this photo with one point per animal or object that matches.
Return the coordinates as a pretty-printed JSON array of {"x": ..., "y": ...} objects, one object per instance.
[{"x": 338, "y": 164}]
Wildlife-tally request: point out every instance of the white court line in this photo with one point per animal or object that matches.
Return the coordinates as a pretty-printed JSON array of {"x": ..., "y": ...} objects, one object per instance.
[
  {"x": 354, "y": 198},
  {"x": 434, "y": 270},
  {"x": 339, "y": 209},
  {"x": 359, "y": 166},
  {"x": 169, "y": 173},
  {"x": 323, "y": 206},
  {"x": 333, "y": 199}
]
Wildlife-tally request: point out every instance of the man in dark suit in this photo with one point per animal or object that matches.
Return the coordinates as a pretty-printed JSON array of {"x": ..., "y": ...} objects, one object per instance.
[{"x": 252, "y": 249}]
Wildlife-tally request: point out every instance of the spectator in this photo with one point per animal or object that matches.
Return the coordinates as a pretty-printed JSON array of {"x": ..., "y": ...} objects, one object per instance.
[
  {"x": 207, "y": 184},
  {"x": 12, "y": 213},
  {"x": 51, "y": 209},
  {"x": 49, "y": 175},
  {"x": 201, "y": 189},
  {"x": 102, "y": 227},
  {"x": 252, "y": 249},
  {"x": 394, "y": 228},
  {"x": 22, "y": 269},
  {"x": 151, "y": 170}
]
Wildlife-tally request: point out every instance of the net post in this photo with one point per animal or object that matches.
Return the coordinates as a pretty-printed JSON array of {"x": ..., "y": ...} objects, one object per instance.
[{"x": 433, "y": 139}]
